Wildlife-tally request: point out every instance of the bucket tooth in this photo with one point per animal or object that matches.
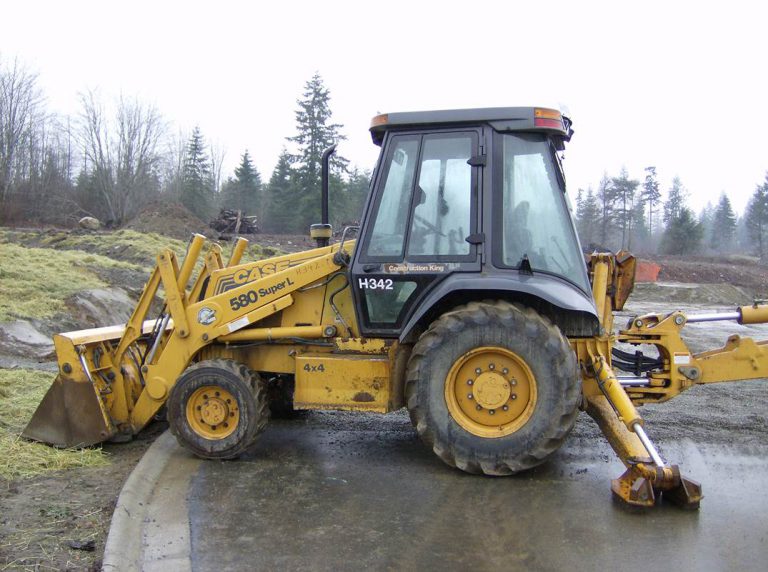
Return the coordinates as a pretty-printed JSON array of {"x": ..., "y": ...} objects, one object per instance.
[{"x": 70, "y": 415}]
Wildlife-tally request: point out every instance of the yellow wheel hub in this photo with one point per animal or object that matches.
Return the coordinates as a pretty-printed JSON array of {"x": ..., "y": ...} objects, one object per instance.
[
  {"x": 490, "y": 392},
  {"x": 212, "y": 412}
]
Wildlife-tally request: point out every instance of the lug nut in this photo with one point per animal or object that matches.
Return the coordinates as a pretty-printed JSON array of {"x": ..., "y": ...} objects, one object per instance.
[
  {"x": 470, "y": 396},
  {"x": 491, "y": 411},
  {"x": 478, "y": 371},
  {"x": 513, "y": 382},
  {"x": 513, "y": 396},
  {"x": 479, "y": 408},
  {"x": 470, "y": 382},
  {"x": 491, "y": 366},
  {"x": 505, "y": 407},
  {"x": 505, "y": 371}
]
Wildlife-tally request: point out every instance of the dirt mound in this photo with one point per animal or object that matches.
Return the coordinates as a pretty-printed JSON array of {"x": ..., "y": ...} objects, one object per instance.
[
  {"x": 739, "y": 271},
  {"x": 169, "y": 219}
]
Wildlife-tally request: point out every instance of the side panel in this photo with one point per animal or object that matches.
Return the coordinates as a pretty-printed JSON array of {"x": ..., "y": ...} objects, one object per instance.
[{"x": 348, "y": 382}]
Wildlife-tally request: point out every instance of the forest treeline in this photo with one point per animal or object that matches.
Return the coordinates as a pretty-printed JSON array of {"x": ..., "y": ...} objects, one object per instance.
[
  {"x": 109, "y": 161},
  {"x": 112, "y": 159},
  {"x": 634, "y": 214}
]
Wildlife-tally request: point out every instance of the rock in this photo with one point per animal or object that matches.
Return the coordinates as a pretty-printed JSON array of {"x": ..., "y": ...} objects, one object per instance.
[
  {"x": 101, "y": 307},
  {"x": 89, "y": 223},
  {"x": 23, "y": 339}
]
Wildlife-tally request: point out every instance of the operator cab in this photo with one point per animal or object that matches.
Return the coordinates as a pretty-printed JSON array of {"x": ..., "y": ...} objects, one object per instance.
[{"x": 468, "y": 204}]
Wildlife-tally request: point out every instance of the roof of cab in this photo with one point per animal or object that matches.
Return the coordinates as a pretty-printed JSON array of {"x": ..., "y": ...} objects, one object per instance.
[{"x": 500, "y": 118}]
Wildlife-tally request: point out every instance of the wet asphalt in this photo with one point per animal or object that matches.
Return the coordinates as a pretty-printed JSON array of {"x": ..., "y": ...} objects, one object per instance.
[{"x": 336, "y": 491}]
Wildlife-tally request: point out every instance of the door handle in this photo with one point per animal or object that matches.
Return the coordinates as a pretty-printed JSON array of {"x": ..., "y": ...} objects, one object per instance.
[{"x": 371, "y": 267}]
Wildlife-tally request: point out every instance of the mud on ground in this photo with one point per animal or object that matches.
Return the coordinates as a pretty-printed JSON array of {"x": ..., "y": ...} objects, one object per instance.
[{"x": 43, "y": 517}]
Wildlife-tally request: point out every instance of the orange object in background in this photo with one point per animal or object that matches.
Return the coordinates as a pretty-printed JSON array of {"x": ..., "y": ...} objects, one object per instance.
[{"x": 647, "y": 271}]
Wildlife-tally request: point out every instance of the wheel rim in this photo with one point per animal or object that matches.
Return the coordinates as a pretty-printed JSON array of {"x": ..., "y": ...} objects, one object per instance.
[
  {"x": 490, "y": 392},
  {"x": 212, "y": 412}
]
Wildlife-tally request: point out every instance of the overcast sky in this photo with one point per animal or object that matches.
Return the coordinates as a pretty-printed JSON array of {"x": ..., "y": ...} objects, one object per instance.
[{"x": 678, "y": 85}]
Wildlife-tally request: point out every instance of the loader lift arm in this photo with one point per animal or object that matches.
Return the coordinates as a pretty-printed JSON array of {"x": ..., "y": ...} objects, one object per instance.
[{"x": 102, "y": 392}]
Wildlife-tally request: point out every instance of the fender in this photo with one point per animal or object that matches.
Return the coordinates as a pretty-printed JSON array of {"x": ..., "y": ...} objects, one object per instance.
[{"x": 561, "y": 295}]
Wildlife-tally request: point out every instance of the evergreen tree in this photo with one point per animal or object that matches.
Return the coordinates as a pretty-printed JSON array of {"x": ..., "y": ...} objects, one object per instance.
[
  {"x": 651, "y": 195},
  {"x": 587, "y": 218},
  {"x": 624, "y": 189},
  {"x": 197, "y": 192},
  {"x": 641, "y": 240},
  {"x": 675, "y": 200},
  {"x": 724, "y": 226},
  {"x": 756, "y": 220},
  {"x": 606, "y": 200},
  {"x": 244, "y": 192},
  {"x": 348, "y": 198},
  {"x": 706, "y": 219},
  {"x": 281, "y": 197},
  {"x": 683, "y": 234},
  {"x": 315, "y": 133}
]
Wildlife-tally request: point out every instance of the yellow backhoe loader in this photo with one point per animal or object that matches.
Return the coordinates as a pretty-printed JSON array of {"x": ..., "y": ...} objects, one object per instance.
[{"x": 464, "y": 297}]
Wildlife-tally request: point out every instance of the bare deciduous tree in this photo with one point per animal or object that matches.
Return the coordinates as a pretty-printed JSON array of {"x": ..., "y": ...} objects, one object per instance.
[
  {"x": 20, "y": 118},
  {"x": 122, "y": 155}
]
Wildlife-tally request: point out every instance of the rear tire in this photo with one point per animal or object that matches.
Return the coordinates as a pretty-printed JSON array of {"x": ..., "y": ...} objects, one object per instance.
[
  {"x": 493, "y": 388},
  {"x": 217, "y": 408}
]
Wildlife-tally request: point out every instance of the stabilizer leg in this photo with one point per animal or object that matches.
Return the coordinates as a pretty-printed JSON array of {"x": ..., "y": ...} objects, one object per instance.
[{"x": 647, "y": 477}]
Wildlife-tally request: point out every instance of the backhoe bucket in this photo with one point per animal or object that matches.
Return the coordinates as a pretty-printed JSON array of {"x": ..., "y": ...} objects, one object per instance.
[{"x": 70, "y": 415}]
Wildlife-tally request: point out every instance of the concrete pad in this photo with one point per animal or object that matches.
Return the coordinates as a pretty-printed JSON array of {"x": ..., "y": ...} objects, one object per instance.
[{"x": 340, "y": 491}]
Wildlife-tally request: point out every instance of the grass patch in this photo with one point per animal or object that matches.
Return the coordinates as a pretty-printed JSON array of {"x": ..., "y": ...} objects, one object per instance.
[
  {"x": 39, "y": 271},
  {"x": 35, "y": 281},
  {"x": 124, "y": 245},
  {"x": 21, "y": 391}
]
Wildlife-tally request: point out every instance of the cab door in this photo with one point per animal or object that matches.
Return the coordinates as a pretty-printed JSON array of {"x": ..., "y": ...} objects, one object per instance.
[{"x": 421, "y": 224}]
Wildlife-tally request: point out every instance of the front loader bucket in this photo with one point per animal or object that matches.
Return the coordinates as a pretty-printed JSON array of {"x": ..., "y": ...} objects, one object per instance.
[
  {"x": 70, "y": 415},
  {"x": 73, "y": 413}
]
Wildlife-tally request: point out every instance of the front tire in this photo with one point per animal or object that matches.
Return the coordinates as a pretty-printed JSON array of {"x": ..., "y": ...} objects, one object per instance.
[
  {"x": 217, "y": 408},
  {"x": 493, "y": 388}
]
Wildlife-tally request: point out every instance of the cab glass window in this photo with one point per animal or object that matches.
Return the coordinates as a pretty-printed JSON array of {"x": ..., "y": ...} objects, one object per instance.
[
  {"x": 391, "y": 218},
  {"x": 443, "y": 202},
  {"x": 536, "y": 223}
]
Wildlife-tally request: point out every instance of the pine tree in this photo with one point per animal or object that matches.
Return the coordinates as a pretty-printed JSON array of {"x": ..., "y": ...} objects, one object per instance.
[
  {"x": 756, "y": 220},
  {"x": 624, "y": 189},
  {"x": 244, "y": 192},
  {"x": 651, "y": 195},
  {"x": 197, "y": 192},
  {"x": 349, "y": 197},
  {"x": 281, "y": 197},
  {"x": 683, "y": 234},
  {"x": 706, "y": 219},
  {"x": 724, "y": 226},
  {"x": 315, "y": 133},
  {"x": 606, "y": 200},
  {"x": 675, "y": 200},
  {"x": 587, "y": 218}
]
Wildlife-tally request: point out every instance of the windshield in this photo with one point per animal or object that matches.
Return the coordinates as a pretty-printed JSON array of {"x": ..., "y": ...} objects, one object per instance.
[{"x": 536, "y": 223}]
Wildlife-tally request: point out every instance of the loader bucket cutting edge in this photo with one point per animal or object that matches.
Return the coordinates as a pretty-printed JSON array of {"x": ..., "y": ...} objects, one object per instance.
[{"x": 70, "y": 415}]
